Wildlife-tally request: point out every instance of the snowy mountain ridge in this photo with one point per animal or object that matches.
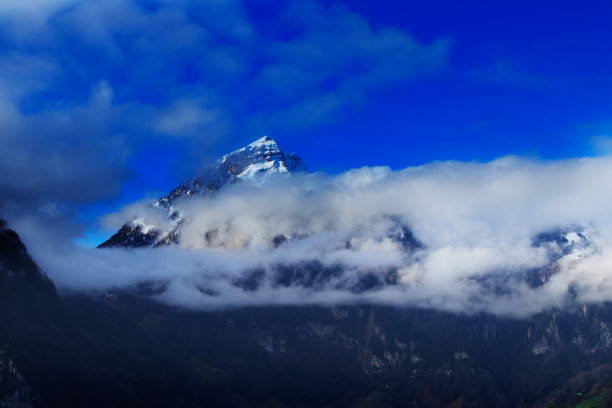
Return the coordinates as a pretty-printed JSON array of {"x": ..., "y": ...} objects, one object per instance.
[
  {"x": 250, "y": 163},
  {"x": 189, "y": 224}
]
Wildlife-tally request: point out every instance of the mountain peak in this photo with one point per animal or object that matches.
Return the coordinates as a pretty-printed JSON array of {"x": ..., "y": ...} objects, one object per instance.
[
  {"x": 251, "y": 163},
  {"x": 263, "y": 143},
  {"x": 262, "y": 157},
  {"x": 266, "y": 140}
]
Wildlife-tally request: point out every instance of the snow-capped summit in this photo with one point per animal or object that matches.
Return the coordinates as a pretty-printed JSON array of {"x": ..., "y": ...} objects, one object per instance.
[
  {"x": 573, "y": 238},
  {"x": 564, "y": 248},
  {"x": 247, "y": 164},
  {"x": 262, "y": 157}
]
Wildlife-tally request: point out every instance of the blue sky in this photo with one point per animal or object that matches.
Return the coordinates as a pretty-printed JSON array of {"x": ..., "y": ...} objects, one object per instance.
[{"x": 106, "y": 102}]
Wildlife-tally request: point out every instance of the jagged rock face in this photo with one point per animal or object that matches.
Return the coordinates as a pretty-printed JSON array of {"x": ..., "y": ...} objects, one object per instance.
[
  {"x": 16, "y": 265},
  {"x": 132, "y": 236},
  {"x": 563, "y": 242},
  {"x": 15, "y": 392},
  {"x": 27, "y": 299}
]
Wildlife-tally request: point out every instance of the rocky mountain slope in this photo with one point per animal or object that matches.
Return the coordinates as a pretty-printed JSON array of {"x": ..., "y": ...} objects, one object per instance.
[
  {"x": 249, "y": 164},
  {"x": 122, "y": 349},
  {"x": 25, "y": 296},
  {"x": 15, "y": 392}
]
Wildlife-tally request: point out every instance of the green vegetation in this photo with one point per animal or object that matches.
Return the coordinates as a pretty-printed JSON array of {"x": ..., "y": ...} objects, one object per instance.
[{"x": 594, "y": 402}]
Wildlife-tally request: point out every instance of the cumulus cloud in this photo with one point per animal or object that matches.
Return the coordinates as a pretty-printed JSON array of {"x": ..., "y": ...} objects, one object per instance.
[
  {"x": 36, "y": 11},
  {"x": 477, "y": 225},
  {"x": 602, "y": 145},
  {"x": 71, "y": 154},
  {"x": 187, "y": 118},
  {"x": 87, "y": 85},
  {"x": 333, "y": 58}
]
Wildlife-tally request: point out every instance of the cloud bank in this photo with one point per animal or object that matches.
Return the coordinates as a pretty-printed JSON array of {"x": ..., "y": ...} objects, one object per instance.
[{"x": 477, "y": 223}]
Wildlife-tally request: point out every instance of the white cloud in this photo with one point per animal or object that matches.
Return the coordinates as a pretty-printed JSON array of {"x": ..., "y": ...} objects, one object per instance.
[
  {"x": 186, "y": 118},
  {"x": 476, "y": 221},
  {"x": 38, "y": 9},
  {"x": 333, "y": 59},
  {"x": 602, "y": 145}
]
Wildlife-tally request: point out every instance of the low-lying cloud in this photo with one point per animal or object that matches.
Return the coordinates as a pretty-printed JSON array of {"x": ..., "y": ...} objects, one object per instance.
[{"x": 476, "y": 226}]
